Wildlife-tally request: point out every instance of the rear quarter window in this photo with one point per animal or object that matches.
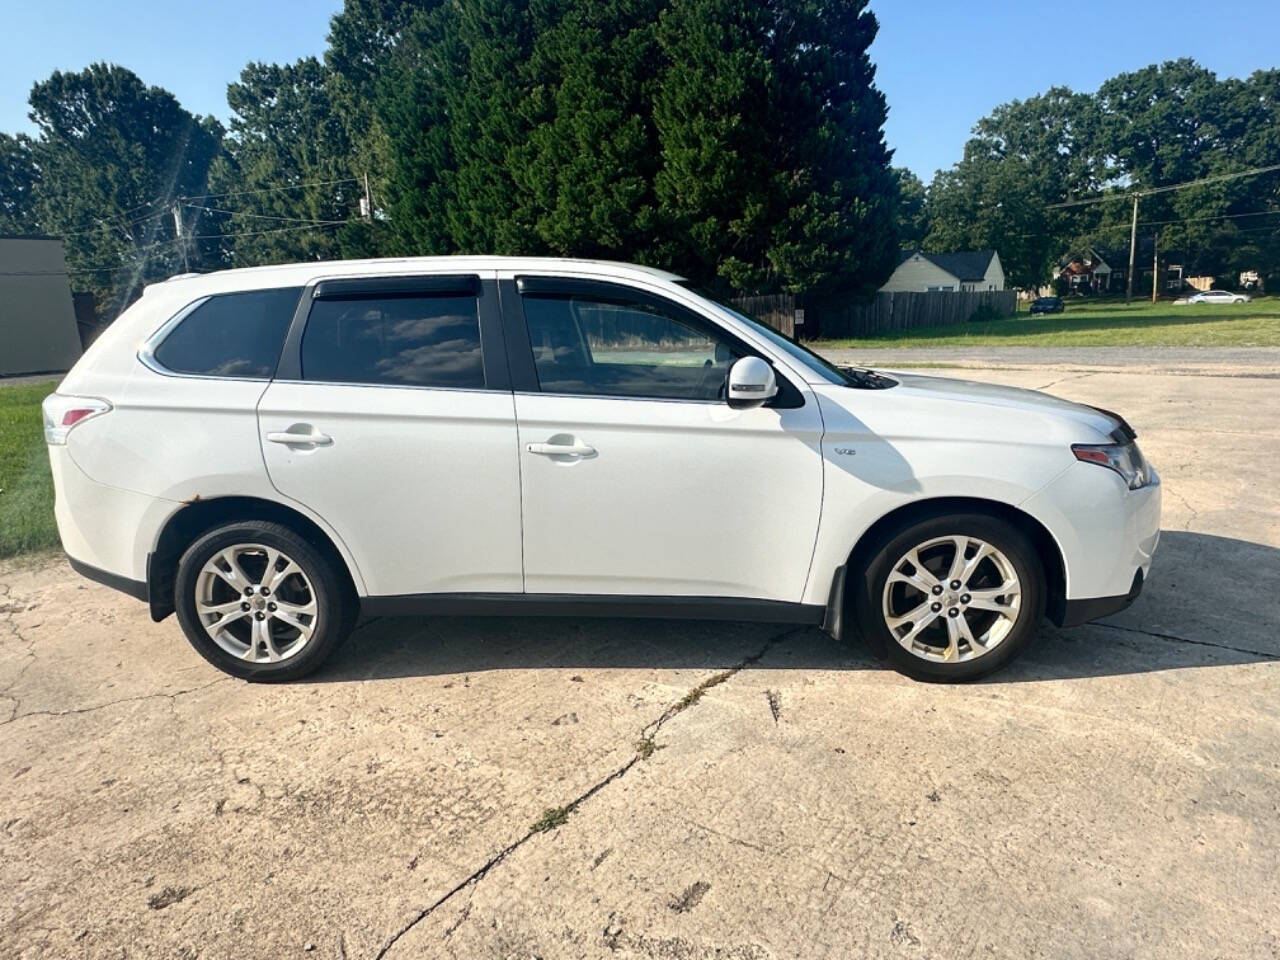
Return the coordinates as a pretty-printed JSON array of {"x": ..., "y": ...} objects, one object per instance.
[{"x": 236, "y": 335}]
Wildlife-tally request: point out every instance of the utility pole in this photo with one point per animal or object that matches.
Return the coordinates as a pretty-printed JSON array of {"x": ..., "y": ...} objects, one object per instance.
[
  {"x": 1155, "y": 267},
  {"x": 366, "y": 202},
  {"x": 178, "y": 236},
  {"x": 1133, "y": 249}
]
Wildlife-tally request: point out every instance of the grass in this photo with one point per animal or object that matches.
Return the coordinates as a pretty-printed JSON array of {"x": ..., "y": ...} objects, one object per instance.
[
  {"x": 26, "y": 487},
  {"x": 1107, "y": 324}
]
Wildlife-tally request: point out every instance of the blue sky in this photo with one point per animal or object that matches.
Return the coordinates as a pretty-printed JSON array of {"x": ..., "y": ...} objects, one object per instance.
[{"x": 942, "y": 64}]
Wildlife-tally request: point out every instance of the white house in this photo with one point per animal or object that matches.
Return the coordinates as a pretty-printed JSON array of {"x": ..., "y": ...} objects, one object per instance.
[{"x": 920, "y": 272}]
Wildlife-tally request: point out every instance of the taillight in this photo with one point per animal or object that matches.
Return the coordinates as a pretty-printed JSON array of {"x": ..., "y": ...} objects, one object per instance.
[{"x": 61, "y": 413}]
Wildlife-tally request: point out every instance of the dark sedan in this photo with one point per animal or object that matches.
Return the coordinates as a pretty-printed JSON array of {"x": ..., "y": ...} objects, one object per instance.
[{"x": 1047, "y": 305}]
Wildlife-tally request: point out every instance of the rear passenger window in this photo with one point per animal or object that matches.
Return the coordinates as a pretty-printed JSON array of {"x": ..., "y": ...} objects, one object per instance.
[
  {"x": 231, "y": 335},
  {"x": 419, "y": 341}
]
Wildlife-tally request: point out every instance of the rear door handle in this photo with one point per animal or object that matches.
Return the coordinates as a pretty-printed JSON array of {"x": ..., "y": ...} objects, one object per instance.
[
  {"x": 575, "y": 449},
  {"x": 297, "y": 438}
]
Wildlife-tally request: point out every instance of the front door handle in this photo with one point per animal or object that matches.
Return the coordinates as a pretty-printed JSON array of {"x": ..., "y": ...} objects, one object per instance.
[
  {"x": 575, "y": 449},
  {"x": 300, "y": 435}
]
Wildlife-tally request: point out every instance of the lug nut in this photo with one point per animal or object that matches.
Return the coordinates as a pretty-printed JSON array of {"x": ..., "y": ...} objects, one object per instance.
[
  {"x": 934, "y": 607},
  {"x": 260, "y": 615},
  {"x": 266, "y": 591},
  {"x": 271, "y": 606},
  {"x": 953, "y": 612},
  {"x": 244, "y": 606},
  {"x": 248, "y": 591},
  {"x": 965, "y": 598},
  {"x": 937, "y": 591},
  {"x": 955, "y": 584}
]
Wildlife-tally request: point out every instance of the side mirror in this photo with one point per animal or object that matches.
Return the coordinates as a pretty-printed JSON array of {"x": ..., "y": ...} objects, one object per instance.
[{"x": 751, "y": 383}]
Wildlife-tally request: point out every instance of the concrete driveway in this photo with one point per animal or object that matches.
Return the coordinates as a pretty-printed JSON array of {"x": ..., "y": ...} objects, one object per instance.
[{"x": 566, "y": 788}]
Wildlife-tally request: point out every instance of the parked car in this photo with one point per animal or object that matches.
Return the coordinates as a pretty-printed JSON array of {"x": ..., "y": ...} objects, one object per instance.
[
  {"x": 1218, "y": 296},
  {"x": 1047, "y": 305},
  {"x": 270, "y": 451}
]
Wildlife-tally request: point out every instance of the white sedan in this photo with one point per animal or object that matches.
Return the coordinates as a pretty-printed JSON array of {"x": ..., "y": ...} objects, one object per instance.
[{"x": 1217, "y": 296}]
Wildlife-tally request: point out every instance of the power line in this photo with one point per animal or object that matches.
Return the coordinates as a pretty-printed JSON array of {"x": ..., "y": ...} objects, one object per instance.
[
  {"x": 167, "y": 201},
  {"x": 1160, "y": 223},
  {"x": 259, "y": 216},
  {"x": 296, "y": 186},
  {"x": 1130, "y": 194},
  {"x": 168, "y": 244}
]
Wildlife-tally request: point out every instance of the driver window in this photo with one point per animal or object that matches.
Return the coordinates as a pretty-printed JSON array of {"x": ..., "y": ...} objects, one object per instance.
[{"x": 606, "y": 347}]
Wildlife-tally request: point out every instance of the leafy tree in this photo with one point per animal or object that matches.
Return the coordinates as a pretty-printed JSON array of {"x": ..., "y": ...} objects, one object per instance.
[
  {"x": 112, "y": 154},
  {"x": 287, "y": 161},
  {"x": 18, "y": 177},
  {"x": 912, "y": 211},
  {"x": 1024, "y": 157}
]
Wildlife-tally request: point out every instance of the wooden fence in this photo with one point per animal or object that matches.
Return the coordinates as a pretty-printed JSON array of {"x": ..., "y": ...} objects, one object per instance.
[
  {"x": 886, "y": 313},
  {"x": 778, "y": 310}
]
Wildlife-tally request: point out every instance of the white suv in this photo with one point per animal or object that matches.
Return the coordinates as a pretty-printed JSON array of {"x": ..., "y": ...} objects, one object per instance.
[{"x": 271, "y": 451}]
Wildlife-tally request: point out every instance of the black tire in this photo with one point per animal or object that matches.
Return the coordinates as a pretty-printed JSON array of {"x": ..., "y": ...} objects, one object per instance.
[
  {"x": 335, "y": 602},
  {"x": 867, "y": 594}
]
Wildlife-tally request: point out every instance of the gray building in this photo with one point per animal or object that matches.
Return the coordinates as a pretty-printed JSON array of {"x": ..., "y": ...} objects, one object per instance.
[{"x": 38, "y": 332}]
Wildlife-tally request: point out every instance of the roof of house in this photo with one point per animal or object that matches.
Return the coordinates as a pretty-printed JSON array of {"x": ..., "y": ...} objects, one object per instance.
[
  {"x": 966, "y": 265},
  {"x": 1117, "y": 258}
]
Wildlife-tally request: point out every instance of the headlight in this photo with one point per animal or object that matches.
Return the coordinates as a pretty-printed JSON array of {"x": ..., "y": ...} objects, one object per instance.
[{"x": 1124, "y": 458}]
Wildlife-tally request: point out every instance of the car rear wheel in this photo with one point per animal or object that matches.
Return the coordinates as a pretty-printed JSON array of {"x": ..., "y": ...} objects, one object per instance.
[
  {"x": 952, "y": 598},
  {"x": 260, "y": 602}
]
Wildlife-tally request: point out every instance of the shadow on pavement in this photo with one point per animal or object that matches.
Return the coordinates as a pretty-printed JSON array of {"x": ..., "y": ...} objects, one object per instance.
[{"x": 1203, "y": 607}]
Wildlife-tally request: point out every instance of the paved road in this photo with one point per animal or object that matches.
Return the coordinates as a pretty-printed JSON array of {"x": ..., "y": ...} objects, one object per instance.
[
  {"x": 1113, "y": 794},
  {"x": 1203, "y": 361}
]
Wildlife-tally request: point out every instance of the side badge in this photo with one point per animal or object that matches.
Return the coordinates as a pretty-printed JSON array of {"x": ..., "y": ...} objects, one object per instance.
[{"x": 845, "y": 451}]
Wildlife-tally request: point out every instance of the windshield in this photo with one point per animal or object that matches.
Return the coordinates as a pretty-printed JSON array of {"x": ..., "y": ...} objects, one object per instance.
[{"x": 796, "y": 351}]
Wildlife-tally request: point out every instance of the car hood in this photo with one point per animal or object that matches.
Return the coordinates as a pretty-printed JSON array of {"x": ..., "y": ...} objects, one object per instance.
[{"x": 949, "y": 391}]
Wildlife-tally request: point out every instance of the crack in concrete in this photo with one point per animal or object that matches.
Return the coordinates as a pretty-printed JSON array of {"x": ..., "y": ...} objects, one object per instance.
[
  {"x": 111, "y": 703},
  {"x": 9, "y": 613},
  {"x": 1195, "y": 514},
  {"x": 1054, "y": 383},
  {"x": 1199, "y": 643},
  {"x": 648, "y": 732}
]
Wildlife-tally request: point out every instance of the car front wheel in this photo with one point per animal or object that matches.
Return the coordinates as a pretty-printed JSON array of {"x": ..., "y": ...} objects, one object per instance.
[
  {"x": 260, "y": 602},
  {"x": 951, "y": 598}
]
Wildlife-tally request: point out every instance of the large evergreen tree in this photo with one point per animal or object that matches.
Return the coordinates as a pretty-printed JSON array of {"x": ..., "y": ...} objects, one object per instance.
[
  {"x": 739, "y": 142},
  {"x": 775, "y": 172},
  {"x": 586, "y": 170}
]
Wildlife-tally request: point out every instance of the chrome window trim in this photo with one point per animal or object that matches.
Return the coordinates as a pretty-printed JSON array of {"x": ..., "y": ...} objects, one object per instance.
[
  {"x": 387, "y": 386},
  {"x": 147, "y": 357}
]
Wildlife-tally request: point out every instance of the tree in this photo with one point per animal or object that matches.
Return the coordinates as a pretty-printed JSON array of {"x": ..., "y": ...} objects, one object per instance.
[
  {"x": 287, "y": 161},
  {"x": 739, "y": 142},
  {"x": 588, "y": 165},
  {"x": 912, "y": 211},
  {"x": 775, "y": 174},
  {"x": 451, "y": 108},
  {"x": 1024, "y": 157},
  {"x": 18, "y": 177},
  {"x": 112, "y": 155}
]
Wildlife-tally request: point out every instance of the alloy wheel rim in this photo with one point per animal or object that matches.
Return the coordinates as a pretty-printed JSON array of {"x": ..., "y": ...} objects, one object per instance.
[
  {"x": 952, "y": 599},
  {"x": 256, "y": 603}
]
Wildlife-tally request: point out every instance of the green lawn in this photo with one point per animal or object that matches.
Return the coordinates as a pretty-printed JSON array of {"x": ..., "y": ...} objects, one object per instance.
[
  {"x": 26, "y": 488},
  {"x": 1110, "y": 324}
]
